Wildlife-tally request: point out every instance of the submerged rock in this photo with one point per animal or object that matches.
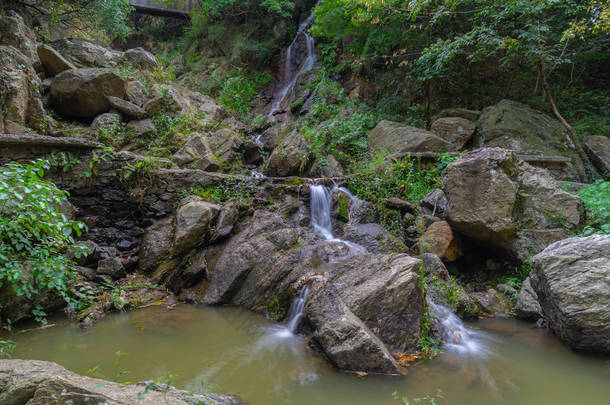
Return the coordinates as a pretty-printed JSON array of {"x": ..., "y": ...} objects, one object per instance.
[
  {"x": 572, "y": 281},
  {"x": 42, "y": 383}
]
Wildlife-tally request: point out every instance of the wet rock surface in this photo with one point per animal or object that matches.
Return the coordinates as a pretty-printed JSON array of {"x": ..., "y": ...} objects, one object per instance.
[
  {"x": 572, "y": 281},
  {"x": 42, "y": 383}
]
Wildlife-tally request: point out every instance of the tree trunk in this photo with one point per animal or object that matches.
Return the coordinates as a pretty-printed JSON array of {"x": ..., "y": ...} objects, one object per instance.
[
  {"x": 571, "y": 133},
  {"x": 427, "y": 103}
]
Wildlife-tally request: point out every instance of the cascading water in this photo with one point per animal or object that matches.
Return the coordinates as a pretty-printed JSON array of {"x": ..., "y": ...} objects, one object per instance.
[
  {"x": 456, "y": 336},
  {"x": 296, "y": 310},
  {"x": 321, "y": 203},
  {"x": 295, "y": 64}
]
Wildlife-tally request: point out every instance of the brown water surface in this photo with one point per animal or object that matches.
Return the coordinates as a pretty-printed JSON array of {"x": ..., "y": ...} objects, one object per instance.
[{"x": 235, "y": 351}]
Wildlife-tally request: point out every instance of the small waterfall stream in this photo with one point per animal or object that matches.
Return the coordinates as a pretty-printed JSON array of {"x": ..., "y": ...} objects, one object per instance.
[
  {"x": 296, "y": 64},
  {"x": 456, "y": 336},
  {"x": 296, "y": 310}
]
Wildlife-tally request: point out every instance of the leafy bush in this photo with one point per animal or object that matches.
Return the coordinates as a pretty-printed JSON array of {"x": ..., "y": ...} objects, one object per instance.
[
  {"x": 597, "y": 201},
  {"x": 35, "y": 234},
  {"x": 380, "y": 178},
  {"x": 240, "y": 90}
]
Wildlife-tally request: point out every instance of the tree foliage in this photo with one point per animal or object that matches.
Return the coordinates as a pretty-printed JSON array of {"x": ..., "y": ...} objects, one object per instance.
[{"x": 34, "y": 233}]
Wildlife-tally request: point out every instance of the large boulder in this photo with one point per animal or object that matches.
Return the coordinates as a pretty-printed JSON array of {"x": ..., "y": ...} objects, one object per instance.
[
  {"x": 42, "y": 383},
  {"x": 20, "y": 94},
  {"x": 82, "y": 93},
  {"x": 292, "y": 156},
  {"x": 517, "y": 127},
  {"x": 502, "y": 202},
  {"x": 84, "y": 53},
  {"x": 374, "y": 237},
  {"x": 343, "y": 338},
  {"x": 52, "y": 61},
  {"x": 399, "y": 139},
  {"x": 598, "y": 149},
  {"x": 456, "y": 130},
  {"x": 572, "y": 281},
  {"x": 384, "y": 291},
  {"x": 14, "y": 32}
]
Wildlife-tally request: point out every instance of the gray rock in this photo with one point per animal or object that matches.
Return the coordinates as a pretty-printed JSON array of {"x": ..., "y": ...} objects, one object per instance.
[
  {"x": 82, "y": 93},
  {"x": 572, "y": 281},
  {"x": 226, "y": 144},
  {"x": 141, "y": 58},
  {"x": 598, "y": 149},
  {"x": 399, "y": 139},
  {"x": 43, "y": 383},
  {"x": 136, "y": 92},
  {"x": 344, "y": 338},
  {"x": 20, "y": 98},
  {"x": 517, "y": 127},
  {"x": 126, "y": 107},
  {"x": 52, "y": 61},
  {"x": 291, "y": 157},
  {"x": 87, "y": 54},
  {"x": 492, "y": 301},
  {"x": 14, "y": 32},
  {"x": 384, "y": 291},
  {"x": 471, "y": 115},
  {"x": 527, "y": 306},
  {"x": 141, "y": 127},
  {"x": 112, "y": 267},
  {"x": 456, "y": 130},
  {"x": 194, "y": 221},
  {"x": 502, "y": 202},
  {"x": 156, "y": 244},
  {"x": 436, "y": 202},
  {"x": 374, "y": 238},
  {"x": 196, "y": 153},
  {"x": 105, "y": 122}
]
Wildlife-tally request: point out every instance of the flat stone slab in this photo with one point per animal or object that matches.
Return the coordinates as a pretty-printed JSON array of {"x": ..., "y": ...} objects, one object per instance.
[{"x": 49, "y": 141}]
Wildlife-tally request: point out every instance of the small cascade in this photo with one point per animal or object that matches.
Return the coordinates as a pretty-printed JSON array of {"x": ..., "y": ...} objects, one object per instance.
[
  {"x": 456, "y": 336},
  {"x": 296, "y": 64},
  {"x": 296, "y": 310},
  {"x": 321, "y": 204},
  {"x": 258, "y": 141}
]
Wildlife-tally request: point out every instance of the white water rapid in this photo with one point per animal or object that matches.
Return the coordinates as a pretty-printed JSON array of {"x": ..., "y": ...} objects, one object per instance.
[
  {"x": 295, "y": 64},
  {"x": 456, "y": 336}
]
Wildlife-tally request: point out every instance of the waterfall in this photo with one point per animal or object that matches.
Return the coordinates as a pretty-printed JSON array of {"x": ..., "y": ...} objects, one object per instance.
[
  {"x": 296, "y": 310},
  {"x": 294, "y": 64},
  {"x": 321, "y": 203},
  {"x": 456, "y": 336}
]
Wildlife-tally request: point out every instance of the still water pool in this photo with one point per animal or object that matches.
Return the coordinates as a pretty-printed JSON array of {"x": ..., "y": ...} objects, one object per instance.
[{"x": 237, "y": 352}]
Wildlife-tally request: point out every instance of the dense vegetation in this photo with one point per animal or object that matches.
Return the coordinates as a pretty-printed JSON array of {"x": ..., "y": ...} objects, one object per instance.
[{"x": 35, "y": 235}]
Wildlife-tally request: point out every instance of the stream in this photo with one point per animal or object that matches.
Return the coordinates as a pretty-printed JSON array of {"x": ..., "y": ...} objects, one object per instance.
[{"x": 233, "y": 351}]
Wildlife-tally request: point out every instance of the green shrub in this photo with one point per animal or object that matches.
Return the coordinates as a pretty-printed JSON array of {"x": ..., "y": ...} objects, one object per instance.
[
  {"x": 239, "y": 91},
  {"x": 597, "y": 201},
  {"x": 35, "y": 234}
]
